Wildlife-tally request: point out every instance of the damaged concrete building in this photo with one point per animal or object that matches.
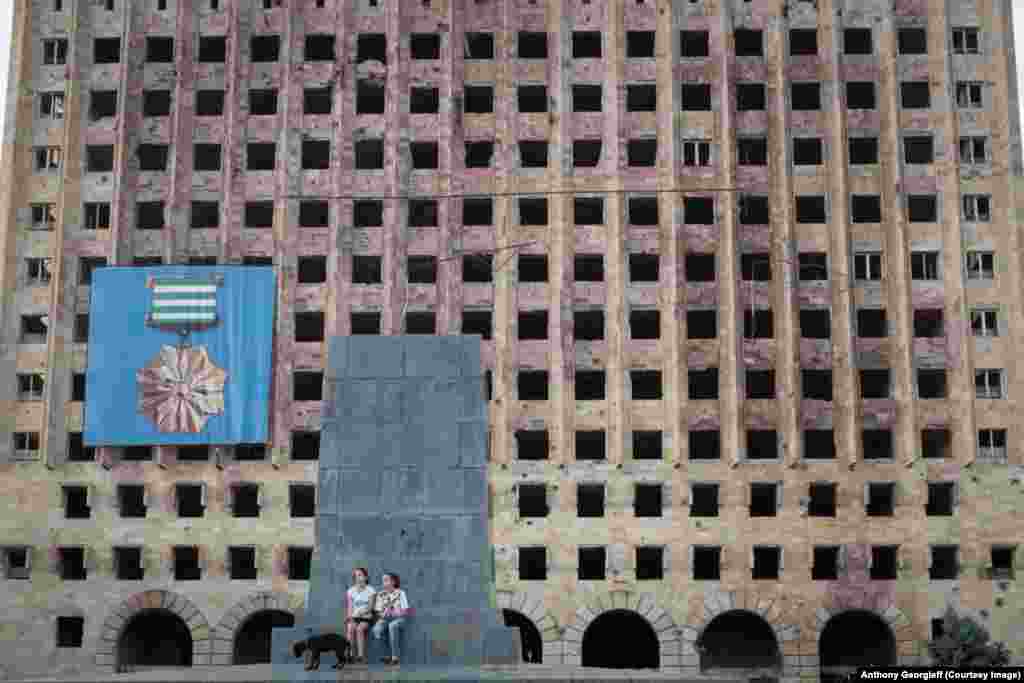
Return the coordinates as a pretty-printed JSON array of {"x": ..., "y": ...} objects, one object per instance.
[{"x": 747, "y": 275}]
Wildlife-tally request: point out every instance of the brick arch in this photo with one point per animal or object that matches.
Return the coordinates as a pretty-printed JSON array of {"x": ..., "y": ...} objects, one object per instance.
[
  {"x": 535, "y": 610},
  {"x": 114, "y": 624},
  {"x": 665, "y": 628},
  {"x": 893, "y": 616},
  {"x": 227, "y": 628},
  {"x": 770, "y": 608}
]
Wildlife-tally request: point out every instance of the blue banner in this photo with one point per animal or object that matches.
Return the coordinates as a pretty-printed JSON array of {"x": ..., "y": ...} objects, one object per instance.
[{"x": 179, "y": 355}]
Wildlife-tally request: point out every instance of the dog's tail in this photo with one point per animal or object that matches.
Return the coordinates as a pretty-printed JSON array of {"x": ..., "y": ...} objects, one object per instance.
[{"x": 298, "y": 648}]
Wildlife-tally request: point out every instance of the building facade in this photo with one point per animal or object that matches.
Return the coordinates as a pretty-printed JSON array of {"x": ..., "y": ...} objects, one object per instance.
[{"x": 747, "y": 273}]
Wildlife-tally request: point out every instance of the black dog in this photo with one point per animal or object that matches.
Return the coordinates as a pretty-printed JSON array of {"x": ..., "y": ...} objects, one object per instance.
[{"x": 311, "y": 648}]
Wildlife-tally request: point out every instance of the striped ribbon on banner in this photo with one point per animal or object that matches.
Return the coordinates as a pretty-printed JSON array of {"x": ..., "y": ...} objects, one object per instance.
[{"x": 183, "y": 301}]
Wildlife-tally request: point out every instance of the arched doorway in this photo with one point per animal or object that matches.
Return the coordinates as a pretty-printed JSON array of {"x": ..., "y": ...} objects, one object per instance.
[
  {"x": 852, "y": 639},
  {"x": 739, "y": 640},
  {"x": 621, "y": 639},
  {"x": 154, "y": 638},
  {"x": 533, "y": 644},
  {"x": 252, "y": 639}
]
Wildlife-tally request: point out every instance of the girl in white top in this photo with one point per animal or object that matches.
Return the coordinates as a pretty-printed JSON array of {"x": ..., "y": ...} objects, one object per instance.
[{"x": 359, "y": 613}]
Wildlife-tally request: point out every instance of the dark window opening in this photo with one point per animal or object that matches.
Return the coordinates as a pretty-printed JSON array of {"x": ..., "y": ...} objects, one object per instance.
[
  {"x": 586, "y": 153},
  {"x": 532, "y": 98},
  {"x": 87, "y": 265},
  {"x": 309, "y": 327},
  {"x": 751, "y": 97},
  {"x": 212, "y": 49},
  {"x": 704, "y": 500},
  {"x": 922, "y": 208},
  {"x": 918, "y": 149},
  {"x": 813, "y": 265},
  {"x": 815, "y": 323},
  {"x": 756, "y": 267},
  {"x": 766, "y": 563},
  {"x": 825, "y": 565},
  {"x": 749, "y": 43},
  {"x": 307, "y": 385},
  {"x": 861, "y": 95},
  {"x": 872, "y": 323},
  {"x": 533, "y": 153},
  {"x": 205, "y": 215},
  {"x": 754, "y": 210},
  {"x": 643, "y": 211},
  {"x": 883, "y": 562},
  {"x": 137, "y": 454},
  {"x": 72, "y": 564},
  {"x": 806, "y": 96},
  {"x": 819, "y": 444},
  {"x": 588, "y": 211},
  {"x": 262, "y": 102},
  {"x": 78, "y": 387},
  {"x": 642, "y": 153},
  {"x": 77, "y": 450},
  {"x": 128, "y": 563},
  {"x": 586, "y": 44},
  {"x": 366, "y": 214},
  {"x": 300, "y": 560},
  {"x": 320, "y": 48},
  {"x": 643, "y": 267},
  {"x": 76, "y": 503},
  {"x": 479, "y": 99},
  {"x": 912, "y": 41},
  {"x": 944, "y": 564},
  {"x": 206, "y": 157},
  {"x": 588, "y": 325},
  {"x": 365, "y": 323},
  {"x": 586, "y": 98},
  {"x": 647, "y": 444},
  {"x": 424, "y": 100},
  {"x": 822, "y": 500},
  {"x": 935, "y": 443},
  {"x": 257, "y": 214},
  {"x": 99, "y": 158},
  {"x": 532, "y": 385},
  {"x": 588, "y": 268},
  {"x": 817, "y": 384},
  {"x": 866, "y": 208},
  {"x": 369, "y": 97},
  {"x": 242, "y": 563},
  {"x": 705, "y": 444},
  {"x": 131, "y": 500},
  {"x": 645, "y": 324},
  {"x": 316, "y": 155},
  {"x": 808, "y": 152},
  {"x": 647, "y": 500},
  {"x": 701, "y": 324},
  {"x": 208, "y": 102},
  {"x": 643, "y": 97},
  {"x": 106, "y": 50},
  {"x": 760, "y": 384},
  {"x": 764, "y": 499},
  {"x": 478, "y": 268},
  {"x": 317, "y": 101},
  {"x": 758, "y": 324},
  {"x": 698, "y": 211},
  {"x": 102, "y": 104},
  {"x": 857, "y": 41},
  {"x": 478, "y": 322},
  {"x": 533, "y": 325},
  {"x": 803, "y": 41},
  {"x": 532, "y": 500},
  {"x": 640, "y": 44},
  {"x": 703, "y": 384},
  {"x": 532, "y": 45},
  {"x": 915, "y": 95},
  {"x": 1002, "y": 562},
  {"x": 592, "y": 564},
  {"x": 875, "y": 384},
  {"x": 532, "y": 444},
  {"x": 368, "y": 46},
  {"x": 590, "y": 500},
  {"x": 312, "y": 269},
  {"x": 928, "y": 323},
  {"x": 422, "y": 213},
  {"x": 479, "y": 154},
  {"x": 941, "y": 496},
  {"x": 191, "y": 500},
  {"x": 533, "y": 211},
  {"x": 650, "y": 563},
  {"x": 260, "y": 155},
  {"x": 707, "y": 563},
  {"x": 863, "y": 151},
  {"x": 700, "y": 267},
  {"x": 762, "y": 444},
  {"x": 305, "y": 445},
  {"x": 33, "y": 329},
  {"x": 533, "y": 268},
  {"x": 810, "y": 209},
  {"x": 479, "y": 46},
  {"x": 646, "y": 385},
  {"x": 265, "y": 48},
  {"x": 931, "y": 383},
  {"x": 367, "y": 269},
  {"x": 422, "y": 269},
  {"x": 159, "y": 49},
  {"x": 694, "y": 44},
  {"x": 589, "y": 385},
  {"x": 752, "y": 151},
  {"x": 533, "y": 564},
  {"x": 696, "y": 97},
  {"x": 244, "y": 500},
  {"x": 877, "y": 444},
  {"x": 478, "y": 211},
  {"x": 193, "y": 453},
  {"x": 369, "y": 154},
  {"x": 425, "y": 45},
  {"x": 590, "y": 444},
  {"x": 250, "y": 452}
]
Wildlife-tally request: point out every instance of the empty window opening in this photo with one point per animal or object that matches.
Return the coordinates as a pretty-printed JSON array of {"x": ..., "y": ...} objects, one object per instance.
[
  {"x": 941, "y": 497},
  {"x": 644, "y": 267},
  {"x": 922, "y": 208},
  {"x": 128, "y": 563},
  {"x": 106, "y": 50},
  {"x": 305, "y": 445},
  {"x": 138, "y": 454},
  {"x": 640, "y": 44},
  {"x": 912, "y": 41},
  {"x": 965, "y": 41},
  {"x": 696, "y": 97},
  {"x": 317, "y": 101},
  {"x": 935, "y": 443},
  {"x": 928, "y": 322},
  {"x": 981, "y": 265},
  {"x": 875, "y": 384},
  {"x": 803, "y": 41},
  {"x": 309, "y": 327},
  {"x": 244, "y": 500},
  {"x": 704, "y": 500},
  {"x": 647, "y": 444},
  {"x": 647, "y": 500},
  {"x": 365, "y": 322},
  {"x": 705, "y": 444},
  {"x": 642, "y": 153},
  {"x": 857, "y": 41},
  {"x": 918, "y": 149},
  {"x": 205, "y": 215},
  {"x": 369, "y": 97},
  {"x": 588, "y": 268},
  {"x": 479, "y": 99},
  {"x": 1002, "y": 561},
  {"x": 532, "y": 98},
  {"x": 988, "y": 383},
  {"x": 532, "y": 45},
  {"x": 767, "y": 562},
  {"x": 861, "y": 95},
  {"x": 694, "y": 44},
  {"x": 754, "y": 210},
  {"x": 206, "y": 157},
  {"x": 872, "y": 323},
  {"x": 533, "y": 564},
  {"x": 369, "y": 154},
  {"x": 265, "y": 48},
  {"x": 819, "y": 444},
  {"x": 760, "y": 384},
  {"x": 817, "y": 384},
  {"x": 877, "y": 444},
  {"x": 977, "y": 207},
  {"x": 425, "y": 45},
  {"x": 700, "y": 267},
  {"x": 590, "y": 444},
  {"x": 881, "y": 499},
  {"x": 749, "y": 43},
  {"x": 320, "y": 48},
  {"x": 533, "y": 325},
  {"x": 756, "y": 267},
  {"x": 250, "y": 452},
  {"x": 190, "y": 499},
  {"x": 696, "y": 153},
  {"x": 38, "y": 270},
  {"x": 424, "y": 100},
  {"x": 532, "y": 384},
  {"x": 703, "y": 384},
  {"x": 257, "y": 214},
  {"x": 586, "y": 44},
  {"x": 300, "y": 561},
  {"x": 55, "y": 51},
  {"x": 590, "y": 500},
  {"x": 815, "y": 323},
  {"x": 969, "y": 95},
  {"x": 915, "y": 95},
  {"x": 650, "y": 563},
  {"x": 586, "y": 98},
  {"x": 645, "y": 324},
  {"x": 212, "y": 49},
  {"x": 751, "y": 97},
  {"x": 758, "y": 324},
  {"x": 701, "y": 324},
  {"x": 422, "y": 214},
  {"x": 822, "y": 500},
  {"x": 752, "y": 151},
  {"x": 477, "y": 211},
  {"x": 867, "y": 265},
  {"x": 863, "y": 151},
  {"x": 302, "y": 500},
  {"x": 100, "y": 158},
  {"x": 30, "y": 386},
  {"x": 698, "y": 211},
  {"x": 33, "y": 329},
  {"x": 813, "y": 266},
  {"x": 367, "y": 213},
  {"x": 642, "y": 97},
  {"x": 72, "y": 563},
  {"x": 707, "y": 563},
  {"x": 974, "y": 150},
  {"x": 209, "y": 102},
  {"x": 931, "y": 383},
  {"x": 478, "y": 322},
  {"x": 944, "y": 564},
  {"x": 807, "y": 152},
  {"x": 590, "y": 385},
  {"x": 586, "y": 153},
  {"x": 260, "y": 155},
  {"x": 193, "y": 453},
  {"x": 825, "y": 565},
  {"x": 479, "y": 45},
  {"x": 262, "y": 102},
  {"x": 764, "y": 499},
  {"x": 532, "y": 500},
  {"x": 307, "y": 385},
  {"x": 592, "y": 564},
  {"x": 806, "y": 96},
  {"x": 532, "y": 444},
  {"x": 479, "y": 154},
  {"x": 102, "y": 104},
  {"x": 533, "y": 211},
  {"x": 588, "y": 325},
  {"x": 533, "y": 153},
  {"x": 241, "y": 564},
  {"x": 533, "y": 268},
  {"x": 312, "y": 270},
  {"x": 646, "y": 385},
  {"x": 810, "y": 209},
  {"x": 76, "y": 502},
  {"x": 422, "y": 270},
  {"x": 762, "y": 444},
  {"x": 367, "y": 269}
]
